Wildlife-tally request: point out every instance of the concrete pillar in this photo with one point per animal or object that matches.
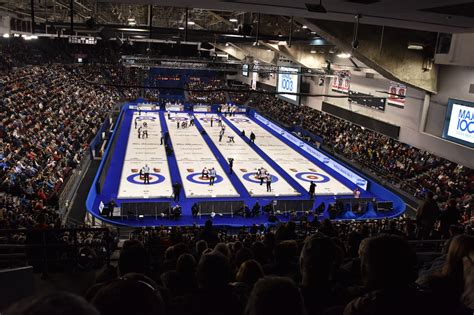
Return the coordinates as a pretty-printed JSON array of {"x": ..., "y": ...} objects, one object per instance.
[{"x": 424, "y": 113}]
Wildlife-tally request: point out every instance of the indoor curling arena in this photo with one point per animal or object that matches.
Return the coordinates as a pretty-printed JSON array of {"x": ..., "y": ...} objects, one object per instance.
[
  {"x": 236, "y": 157},
  {"x": 159, "y": 165}
]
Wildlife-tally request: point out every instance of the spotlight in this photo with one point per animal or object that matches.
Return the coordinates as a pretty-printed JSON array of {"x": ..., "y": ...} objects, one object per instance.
[
  {"x": 355, "y": 44},
  {"x": 344, "y": 55},
  {"x": 234, "y": 20},
  {"x": 414, "y": 46},
  {"x": 29, "y": 37},
  {"x": 318, "y": 8}
]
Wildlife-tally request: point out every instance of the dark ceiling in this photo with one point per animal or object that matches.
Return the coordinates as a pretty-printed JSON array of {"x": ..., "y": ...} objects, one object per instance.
[{"x": 448, "y": 16}]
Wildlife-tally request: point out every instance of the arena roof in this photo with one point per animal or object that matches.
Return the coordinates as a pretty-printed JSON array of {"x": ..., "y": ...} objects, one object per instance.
[{"x": 448, "y": 16}]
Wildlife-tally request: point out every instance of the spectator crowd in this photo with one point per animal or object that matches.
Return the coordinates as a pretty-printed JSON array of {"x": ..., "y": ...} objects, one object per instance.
[
  {"x": 123, "y": 79},
  {"x": 332, "y": 268},
  {"x": 415, "y": 170},
  {"x": 202, "y": 91},
  {"x": 48, "y": 117},
  {"x": 239, "y": 94}
]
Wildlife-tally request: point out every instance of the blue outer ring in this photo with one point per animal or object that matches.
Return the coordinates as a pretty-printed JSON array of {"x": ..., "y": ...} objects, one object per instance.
[
  {"x": 237, "y": 119},
  {"x": 180, "y": 119},
  {"x": 190, "y": 178},
  {"x": 132, "y": 179},
  {"x": 249, "y": 177},
  {"x": 206, "y": 119},
  {"x": 324, "y": 179},
  {"x": 140, "y": 118}
]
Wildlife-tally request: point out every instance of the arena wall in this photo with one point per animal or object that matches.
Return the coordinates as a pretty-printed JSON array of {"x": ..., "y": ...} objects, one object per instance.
[{"x": 454, "y": 82}]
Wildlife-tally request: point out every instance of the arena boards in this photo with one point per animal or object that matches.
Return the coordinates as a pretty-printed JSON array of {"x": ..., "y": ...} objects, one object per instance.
[
  {"x": 141, "y": 152},
  {"x": 296, "y": 165},
  {"x": 246, "y": 160}
]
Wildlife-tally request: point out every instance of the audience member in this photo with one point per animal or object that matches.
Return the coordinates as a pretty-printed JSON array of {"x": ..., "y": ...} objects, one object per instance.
[
  {"x": 388, "y": 266},
  {"x": 318, "y": 267},
  {"x": 275, "y": 296},
  {"x": 448, "y": 284},
  {"x": 129, "y": 296},
  {"x": 57, "y": 303},
  {"x": 427, "y": 215}
]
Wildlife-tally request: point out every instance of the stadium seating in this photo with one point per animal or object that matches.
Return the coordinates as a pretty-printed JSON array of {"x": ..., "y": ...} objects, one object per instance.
[{"x": 413, "y": 169}]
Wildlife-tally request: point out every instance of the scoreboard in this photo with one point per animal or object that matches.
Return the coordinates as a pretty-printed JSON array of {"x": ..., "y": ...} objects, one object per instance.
[
  {"x": 83, "y": 40},
  {"x": 367, "y": 100},
  {"x": 289, "y": 81}
]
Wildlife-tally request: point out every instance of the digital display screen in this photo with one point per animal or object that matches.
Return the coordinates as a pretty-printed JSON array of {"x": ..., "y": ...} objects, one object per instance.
[
  {"x": 459, "y": 122},
  {"x": 245, "y": 70},
  {"x": 82, "y": 40},
  {"x": 289, "y": 81}
]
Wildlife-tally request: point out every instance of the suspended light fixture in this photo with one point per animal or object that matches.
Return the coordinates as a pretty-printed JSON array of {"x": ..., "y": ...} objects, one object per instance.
[{"x": 344, "y": 55}]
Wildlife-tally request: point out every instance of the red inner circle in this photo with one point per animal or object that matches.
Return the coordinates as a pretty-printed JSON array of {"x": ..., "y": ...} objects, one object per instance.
[{"x": 312, "y": 176}]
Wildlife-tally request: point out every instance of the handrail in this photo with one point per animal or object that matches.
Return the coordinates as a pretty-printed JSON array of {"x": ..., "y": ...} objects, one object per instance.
[
  {"x": 68, "y": 194},
  {"x": 82, "y": 229}
]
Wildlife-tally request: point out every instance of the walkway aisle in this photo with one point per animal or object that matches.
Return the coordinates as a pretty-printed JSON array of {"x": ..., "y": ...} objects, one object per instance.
[
  {"x": 296, "y": 165},
  {"x": 192, "y": 155},
  {"x": 145, "y": 151},
  {"x": 246, "y": 161}
]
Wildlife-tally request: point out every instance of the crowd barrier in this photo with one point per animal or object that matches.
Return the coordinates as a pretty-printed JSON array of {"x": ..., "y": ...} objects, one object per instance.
[
  {"x": 286, "y": 206},
  {"x": 137, "y": 210},
  {"x": 220, "y": 207},
  {"x": 70, "y": 186}
]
